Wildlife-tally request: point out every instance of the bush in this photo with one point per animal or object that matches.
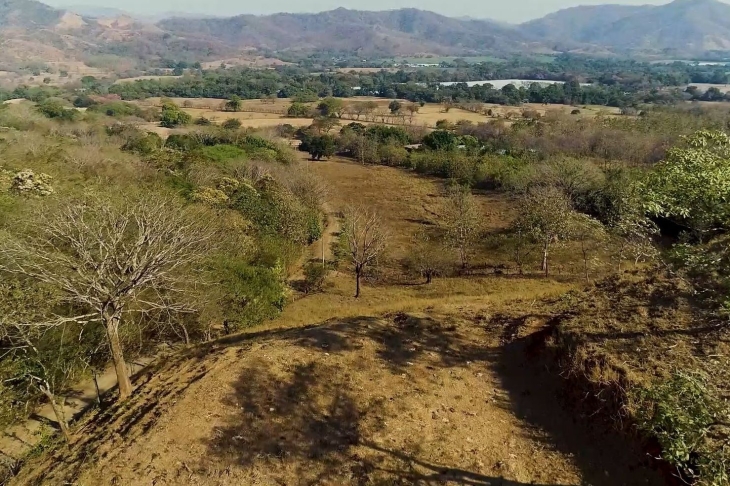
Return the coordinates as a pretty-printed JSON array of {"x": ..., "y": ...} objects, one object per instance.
[
  {"x": 299, "y": 110},
  {"x": 315, "y": 274},
  {"x": 232, "y": 124},
  {"x": 681, "y": 413},
  {"x": 173, "y": 116},
  {"x": 202, "y": 121},
  {"x": 143, "y": 143},
  {"x": 252, "y": 293},
  {"x": 53, "y": 108},
  {"x": 221, "y": 153}
]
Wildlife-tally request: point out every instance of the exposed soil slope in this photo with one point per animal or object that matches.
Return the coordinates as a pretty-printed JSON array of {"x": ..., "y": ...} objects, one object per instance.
[{"x": 406, "y": 399}]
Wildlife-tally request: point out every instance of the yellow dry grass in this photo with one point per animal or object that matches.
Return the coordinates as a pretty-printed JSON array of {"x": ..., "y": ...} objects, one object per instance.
[
  {"x": 144, "y": 78},
  {"x": 268, "y": 113},
  {"x": 406, "y": 203}
]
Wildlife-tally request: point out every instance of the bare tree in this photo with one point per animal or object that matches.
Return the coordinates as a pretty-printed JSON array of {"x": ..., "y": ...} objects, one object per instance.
[
  {"x": 546, "y": 215},
  {"x": 112, "y": 258},
  {"x": 591, "y": 235},
  {"x": 463, "y": 222},
  {"x": 365, "y": 239},
  {"x": 427, "y": 256}
]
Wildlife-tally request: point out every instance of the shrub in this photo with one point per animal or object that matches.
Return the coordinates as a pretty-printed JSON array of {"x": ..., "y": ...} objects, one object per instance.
[
  {"x": 173, "y": 116},
  {"x": 221, "y": 153},
  {"x": 143, "y": 143},
  {"x": 202, "y": 121},
  {"x": 681, "y": 413},
  {"x": 53, "y": 108},
  {"x": 232, "y": 124},
  {"x": 315, "y": 274},
  {"x": 299, "y": 110},
  {"x": 252, "y": 293}
]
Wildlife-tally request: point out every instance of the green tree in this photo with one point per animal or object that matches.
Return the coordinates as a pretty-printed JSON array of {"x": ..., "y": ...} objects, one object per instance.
[
  {"x": 546, "y": 215},
  {"x": 322, "y": 146},
  {"x": 298, "y": 110},
  {"x": 173, "y": 116},
  {"x": 331, "y": 107},
  {"x": 440, "y": 140},
  {"x": 691, "y": 186},
  {"x": 234, "y": 103},
  {"x": 395, "y": 106}
]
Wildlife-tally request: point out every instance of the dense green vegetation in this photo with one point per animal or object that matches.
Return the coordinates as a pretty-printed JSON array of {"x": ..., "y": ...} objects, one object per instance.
[{"x": 613, "y": 83}]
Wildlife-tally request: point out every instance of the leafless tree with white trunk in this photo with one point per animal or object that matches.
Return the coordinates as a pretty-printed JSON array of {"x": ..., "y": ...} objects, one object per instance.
[
  {"x": 110, "y": 259},
  {"x": 365, "y": 239}
]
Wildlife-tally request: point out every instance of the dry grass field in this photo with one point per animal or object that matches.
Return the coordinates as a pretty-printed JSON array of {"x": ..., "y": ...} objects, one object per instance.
[
  {"x": 268, "y": 113},
  {"x": 144, "y": 78}
]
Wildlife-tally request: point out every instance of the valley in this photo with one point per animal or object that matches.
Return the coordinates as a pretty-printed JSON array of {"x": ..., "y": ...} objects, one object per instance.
[{"x": 367, "y": 248}]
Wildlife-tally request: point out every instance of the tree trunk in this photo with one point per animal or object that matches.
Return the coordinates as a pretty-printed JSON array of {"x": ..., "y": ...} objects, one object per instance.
[
  {"x": 357, "y": 283},
  {"x": 545, "y": 267},
  {"x": 57, "y": 412},
  {"x": 96, "y": 386},
  {"x": 111, "y": 323}
]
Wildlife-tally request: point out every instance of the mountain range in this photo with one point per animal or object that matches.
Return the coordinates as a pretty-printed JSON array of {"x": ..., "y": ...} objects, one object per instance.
[{"x": 32, "y": 30}]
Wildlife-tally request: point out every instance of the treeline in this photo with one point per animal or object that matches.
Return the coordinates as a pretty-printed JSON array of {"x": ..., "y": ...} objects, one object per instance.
[{"x": 292, "y": 83}]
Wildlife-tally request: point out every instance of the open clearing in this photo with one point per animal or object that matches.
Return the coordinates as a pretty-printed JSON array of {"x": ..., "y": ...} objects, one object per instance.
[{"x": 269, "y": 113}]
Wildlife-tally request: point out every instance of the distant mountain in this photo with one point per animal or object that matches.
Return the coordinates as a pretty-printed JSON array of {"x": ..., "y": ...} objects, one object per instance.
[
  {"x": 94, "y": 11},
  {"x": 579, "y": 24},
  {"x": 27, "y": 14},
  {"x": 30, "y": 30},
  {"x": 33, "y": 31},
  {"x": 683, "y": 27},
  {"x": 396, "y": 32}
]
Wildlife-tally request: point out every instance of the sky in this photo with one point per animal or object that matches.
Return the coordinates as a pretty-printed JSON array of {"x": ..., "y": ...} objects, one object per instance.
[{"x": 513, "y": 11}]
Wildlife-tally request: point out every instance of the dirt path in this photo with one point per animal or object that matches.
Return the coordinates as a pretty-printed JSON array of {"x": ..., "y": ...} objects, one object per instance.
[
  {"x": 16, "y": 441},
  {"x": 321, "y": 249}
]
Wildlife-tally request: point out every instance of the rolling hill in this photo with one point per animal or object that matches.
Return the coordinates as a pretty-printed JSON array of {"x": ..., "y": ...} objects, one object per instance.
[
  {"x": 683, "y": 27},
  {"x": 405, "y": 31},
  {"x": 30, "y": 30}
]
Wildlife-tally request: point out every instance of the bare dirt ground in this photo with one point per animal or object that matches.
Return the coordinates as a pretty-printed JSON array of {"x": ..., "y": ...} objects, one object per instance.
[{"x": 405, "y": 399}]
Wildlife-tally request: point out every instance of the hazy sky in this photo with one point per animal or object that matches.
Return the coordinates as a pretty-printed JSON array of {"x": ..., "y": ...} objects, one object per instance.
[{"x": 509, "y": 11}]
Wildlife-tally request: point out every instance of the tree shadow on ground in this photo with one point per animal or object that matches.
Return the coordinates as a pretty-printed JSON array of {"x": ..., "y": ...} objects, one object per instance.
[
  {"x": 541, "y": 397},
  {"x": 309, "y": 426},
  {"x": 312, "y": 423}
]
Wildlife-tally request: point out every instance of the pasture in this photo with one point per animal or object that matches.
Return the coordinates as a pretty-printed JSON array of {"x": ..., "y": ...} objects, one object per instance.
[{"x": 272, "y": 112}]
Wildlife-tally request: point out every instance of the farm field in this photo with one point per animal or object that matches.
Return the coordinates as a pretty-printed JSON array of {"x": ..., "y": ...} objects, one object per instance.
[{"x": 268, "y": 113}]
